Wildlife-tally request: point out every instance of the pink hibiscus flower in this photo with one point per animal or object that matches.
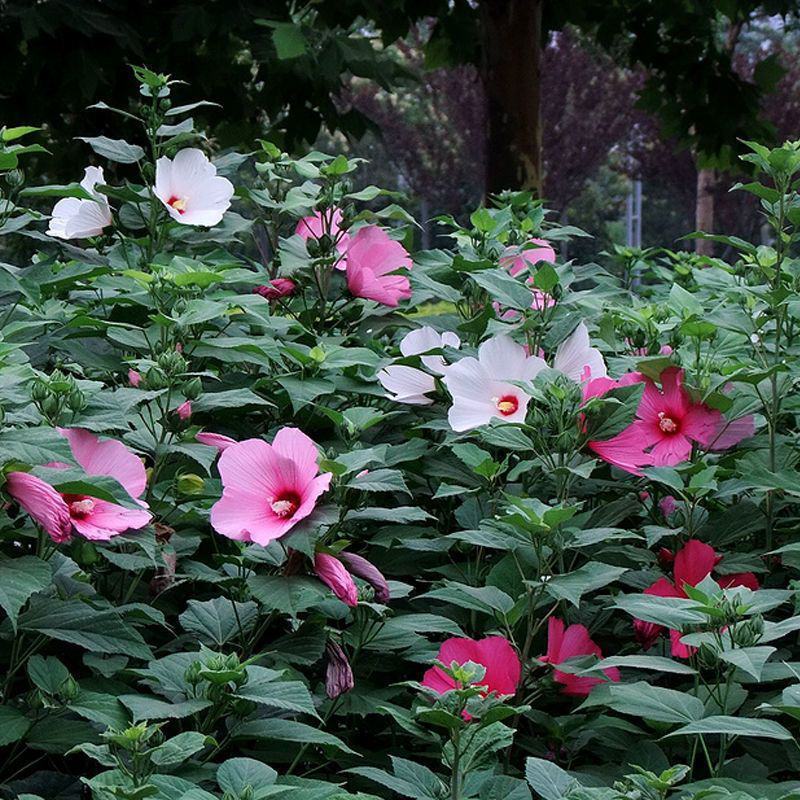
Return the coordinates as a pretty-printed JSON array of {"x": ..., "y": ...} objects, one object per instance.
[
  {"x": 267, "y": 489},
  {"x": 517, "y": 260},
  {"x": 60, "y": 514},
  {"x": 693, "y": 563},
  {"x": 495, "y": 653},
  {"x": 573, "y": 642},
  {"x": 218, "y": 440},
  {"x": 328, "y": 222},
  {"x": 667, "y": 424},
  {"x": 372, "y": 259}
]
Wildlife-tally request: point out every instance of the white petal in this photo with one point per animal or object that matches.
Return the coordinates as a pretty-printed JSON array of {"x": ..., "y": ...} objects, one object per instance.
[
  {"x": 419, "y": 341},
  {"x": 163, "y": 187},
  {"x": 407, "y": 384},
  {"x": 575, "y": 356},
  {"x": 91, "y": 177},
  {"x": 190, "y": 167}
]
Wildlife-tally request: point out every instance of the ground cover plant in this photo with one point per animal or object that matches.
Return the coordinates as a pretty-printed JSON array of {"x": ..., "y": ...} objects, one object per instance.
[{"x": 290, "y": 509}]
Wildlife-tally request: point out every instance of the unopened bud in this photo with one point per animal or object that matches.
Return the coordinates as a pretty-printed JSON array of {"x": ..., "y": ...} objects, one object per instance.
[{"x": 189, "y": 483}]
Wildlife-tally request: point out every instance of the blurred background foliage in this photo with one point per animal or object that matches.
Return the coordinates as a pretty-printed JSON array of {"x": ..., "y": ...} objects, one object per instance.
[{"x": 448, "y": 99}]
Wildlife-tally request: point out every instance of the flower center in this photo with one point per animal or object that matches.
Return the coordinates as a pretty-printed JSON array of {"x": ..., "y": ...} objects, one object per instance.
[
  {"x": 79, "y": 506},
  {"x": 666, "y": 424},
  {"x": 285, "y": 505},
  {"x": 178, "y": 203},
  {"x": 507, "y": 404}
]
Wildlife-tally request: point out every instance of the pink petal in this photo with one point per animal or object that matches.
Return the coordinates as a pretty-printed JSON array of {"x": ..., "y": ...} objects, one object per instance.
[
  {"x": 218, "y": 440},
  {"x": 693, "y": 562},
  {"x": 109, "y": 519},
  {"x": 293, "y": 444},
  {"x": 42, "y": 502},
  {"x": 107, "y": 457},
  {"x": 503, "y": 668}
]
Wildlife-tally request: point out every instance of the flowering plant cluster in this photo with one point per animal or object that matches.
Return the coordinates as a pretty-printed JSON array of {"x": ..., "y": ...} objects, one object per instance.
[{"x": 291, "y": 509}]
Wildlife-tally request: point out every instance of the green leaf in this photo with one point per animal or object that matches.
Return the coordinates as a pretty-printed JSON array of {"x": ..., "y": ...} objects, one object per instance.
[
  {"x": 117, "y": 150},
  {"x": 287, "y": 730},
  {"x": 179, "y": 748},
  {"x": 286, "y": 594},
  {"x": 246, "y": 777},
  {"x": 219, "y": 620},
  {"x": 503, "y": 288},
  {"x": 548, "y": 779},
  {"x": 735, "y": 726},
  {"x": 289, "y": 40},
  {"x": 640, "y": 699},
  {"x": 143, "y": 707},
  {"x": 749, "y": 659},
  {"x": 588, "y": 578},
  {"x": 20, "y": 579},
  {"x": 47, "y": 673},
  {"x": 651, "y": 663},
  {"x": 264, "y": 689},
  {"x": 34, "y": 446},
  {"x": 13, "y": 725}
]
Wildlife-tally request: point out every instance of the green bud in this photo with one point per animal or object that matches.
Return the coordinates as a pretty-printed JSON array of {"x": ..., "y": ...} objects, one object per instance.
[
  {"x": 318, "y": 354},
  {"x": 85, "y": 553},
  {"x": 39, "y": 390},
  {"x": 193, "y": 389},
  {"x": 50, "y": 406},
  {"x": 15, "y": 178},
  {"x": 76, "y": 400},
  {"x": 189, "y": 483},
  {"x": 156, "y": 379}
]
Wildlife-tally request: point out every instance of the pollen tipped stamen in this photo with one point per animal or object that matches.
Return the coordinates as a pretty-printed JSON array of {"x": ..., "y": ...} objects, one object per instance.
[
  {"x": 284, "y": 508},
  {"x": 506, "y": 405},
  {"x": 81, "y": 508},
  {"x": 666, "y": 424},
  {"x": 178, "y": 203}
]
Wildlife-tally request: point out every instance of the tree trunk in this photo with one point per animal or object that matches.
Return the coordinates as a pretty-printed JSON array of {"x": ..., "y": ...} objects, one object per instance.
[
  {"x": 704, "y": 210},
  {"x": 510, "y": 71}
]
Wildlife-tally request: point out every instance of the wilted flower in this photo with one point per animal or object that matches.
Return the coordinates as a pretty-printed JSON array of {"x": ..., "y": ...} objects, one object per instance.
[
  {"x": 75, "y": 218},
  {"x": 267, "y": 489},
  {"x": 366, "y": 570},
  {"x": 59, "y": 513},
  {"x": 338, "y": 672},
  {"x": 218, "y": 440},
  {"x": 190, "y": 188},
  {"x": 332, "y": 572},
  {"x": 372, "y": 258}
]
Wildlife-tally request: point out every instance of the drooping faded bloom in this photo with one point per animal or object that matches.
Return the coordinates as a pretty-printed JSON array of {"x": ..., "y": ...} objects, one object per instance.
[
  {"x": 411, "y": 385},
  {"x": 372, "y": 259},
  {"x": 190, "y": 188},
  {"x": 267, "y": 488},
  {"x": 338, "y": 672},
  {"x": 481, "y": 387},
  {"x": 335, "y": 576},
  {"x": 366, "y": 570},
  {"x": 667, "y": 424},
  {"x": 326, "y": 223},
  {"x": 572, "y": 642},
  {"x": 693, "y": 563},
  {"x": 519, "y": 259},
  {"x": 577, "y": 359},
  {"x": 495, "y": 653},
  {"x": 60, "y": 514},
  {"x": 75, "y": 218}
]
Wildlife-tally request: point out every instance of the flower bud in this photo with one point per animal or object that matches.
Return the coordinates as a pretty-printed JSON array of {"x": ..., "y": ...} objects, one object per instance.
[
  {"x": 277, "y": 288},
  {"x": 331, "y": 572},
  {"x": 156, "y": 379},
  {"x": 184, "y": 410},
  {"x": 76, "y": 400},
  {"x": 189, "y": 483},
  {"x": 39, "y": 390},
  {"x": 362, "y": 568},
  {"x": 193, "y": 388},
  {"x": 338, "y": 673},
  {"x": 134, "y": 378}
]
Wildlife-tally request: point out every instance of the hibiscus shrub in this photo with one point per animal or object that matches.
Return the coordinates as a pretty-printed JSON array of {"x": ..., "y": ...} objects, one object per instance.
[{"x": 289, "y": 511}]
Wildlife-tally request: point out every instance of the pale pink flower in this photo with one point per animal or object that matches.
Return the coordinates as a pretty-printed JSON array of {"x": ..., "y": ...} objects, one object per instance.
[
  {"x": 481, "y": 387},
  {"x": 184, "y": 410},
  {"x": 60, "y": 513},
  {"x": 75, "y": 218},
  {"x": 406, "y": 384},
  {"x": 577, "y": 359},
  {"x": 322, "y": 223},
  {"x": 425, "y": 339},
  {"x": 134, "y": 378},
  {"x": 573, "y": 642},
  {"x": 333, "y": 574},
  {"x": 519, "y": 259},
  {"x": 218, "y": 440},
  {"x": 190, "y": 188},
  {"x": 267, "y": 489},
  {"x": 372, "y": 258},
  {"x": 494, "y": 653}
]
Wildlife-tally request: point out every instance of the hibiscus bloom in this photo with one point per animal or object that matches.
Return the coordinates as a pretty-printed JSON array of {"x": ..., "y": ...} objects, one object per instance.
[
  {"x": 667, "y": 424},
  {"x": 190, "y": 188},
  {"x": 408, "y": 384},
  {"x": 577, "y": 359},
  {"x": 60, "y": 514},
  {"x": 372, "y": 259},
  {"x": 517, "y": 260},
  {"x": 267, "y": 489},
  {"x": 693, "y": 563},
  {"x": 481, "y": 388},
  {"x": 495, "y": 653},
  {"x": 75, "y": 218},
  {"x": 573, "y": 642},
  {"x": 322, "y": 223}
]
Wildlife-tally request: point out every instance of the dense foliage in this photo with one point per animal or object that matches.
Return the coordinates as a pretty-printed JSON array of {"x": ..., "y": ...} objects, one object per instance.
[{"x": 288, "y": 511}]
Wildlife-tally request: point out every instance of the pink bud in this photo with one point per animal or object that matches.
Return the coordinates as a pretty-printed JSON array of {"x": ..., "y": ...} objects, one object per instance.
[
  {"x": 277, "y": 288},
  {"x": 331, "y": 571},
  {"x": 359, "y": 566},
  {"x": 134, "y": 378},
  {"x": 667, "y": 505},
  {"x": 338, "y": 673},
  {"x": 184, "y": 410}
]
